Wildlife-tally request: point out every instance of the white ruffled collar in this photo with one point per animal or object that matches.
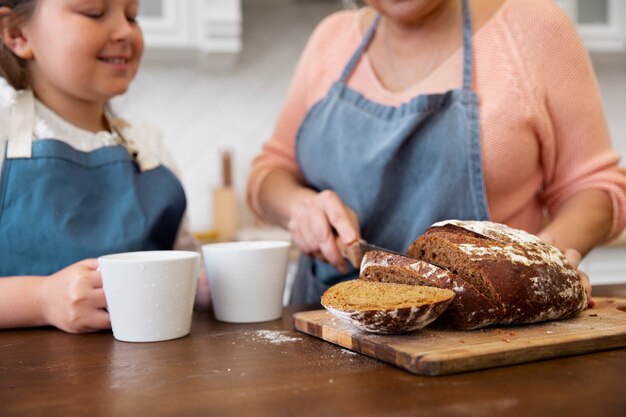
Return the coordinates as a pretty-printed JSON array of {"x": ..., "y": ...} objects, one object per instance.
[
  {"x": 49, "y": 124},
  {"x": 7, "y": 93}
]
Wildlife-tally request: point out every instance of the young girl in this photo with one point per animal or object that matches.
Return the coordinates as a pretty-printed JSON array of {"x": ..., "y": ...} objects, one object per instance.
[{"x": 75, "y": 181}]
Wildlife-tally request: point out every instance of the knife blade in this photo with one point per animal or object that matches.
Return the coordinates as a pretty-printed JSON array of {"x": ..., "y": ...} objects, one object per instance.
[{"x": 355, "y": 251}]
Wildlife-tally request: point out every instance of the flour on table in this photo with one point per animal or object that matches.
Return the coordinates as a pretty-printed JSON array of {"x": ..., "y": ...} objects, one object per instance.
[{"x": 276, "y": 337}]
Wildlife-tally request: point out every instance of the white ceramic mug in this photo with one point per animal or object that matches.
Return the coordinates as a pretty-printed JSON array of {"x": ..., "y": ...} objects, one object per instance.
[
  {"x": 150, "y": 294},
  {"x": 247, "y": 279}
]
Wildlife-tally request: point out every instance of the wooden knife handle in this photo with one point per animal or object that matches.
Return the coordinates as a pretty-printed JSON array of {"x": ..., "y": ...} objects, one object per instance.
[{"x": 352, "y": 252}]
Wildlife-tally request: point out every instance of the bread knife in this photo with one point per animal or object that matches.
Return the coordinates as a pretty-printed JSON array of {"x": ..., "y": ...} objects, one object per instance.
[{"x": 355, "y": 251}]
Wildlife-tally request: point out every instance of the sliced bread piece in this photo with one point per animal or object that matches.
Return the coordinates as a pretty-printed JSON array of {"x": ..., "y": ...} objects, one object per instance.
[{"x": 386, "y": 308}]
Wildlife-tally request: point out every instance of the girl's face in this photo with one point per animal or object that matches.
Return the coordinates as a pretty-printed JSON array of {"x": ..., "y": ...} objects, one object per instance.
[{"x": 84, "y": 49}]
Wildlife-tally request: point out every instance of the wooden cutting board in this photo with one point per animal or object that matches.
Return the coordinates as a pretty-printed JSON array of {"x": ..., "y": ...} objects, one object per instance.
[{"x": 436, "y": 350}]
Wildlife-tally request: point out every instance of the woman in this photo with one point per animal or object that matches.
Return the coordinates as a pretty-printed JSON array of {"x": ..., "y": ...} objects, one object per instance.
[{"x": 408, "y": 112}]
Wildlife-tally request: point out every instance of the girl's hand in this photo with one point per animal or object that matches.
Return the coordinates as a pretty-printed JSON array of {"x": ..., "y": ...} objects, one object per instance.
[
  {"x": 317, "y": 221},
  {"x": 573, "y": 258},
  {"x": 203, "y": 294},
  {"x": 73, "y": 298}
]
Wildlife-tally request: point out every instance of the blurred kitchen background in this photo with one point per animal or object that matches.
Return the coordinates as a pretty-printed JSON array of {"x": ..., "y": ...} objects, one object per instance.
[{"x": 216, "y": 71}]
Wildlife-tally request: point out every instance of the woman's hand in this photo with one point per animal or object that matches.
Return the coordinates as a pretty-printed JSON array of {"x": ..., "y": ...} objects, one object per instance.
[
  {"x": 73, "y": 298},
  {"x": 573, "y": 258},
  {"x": 317, "y": 221}
]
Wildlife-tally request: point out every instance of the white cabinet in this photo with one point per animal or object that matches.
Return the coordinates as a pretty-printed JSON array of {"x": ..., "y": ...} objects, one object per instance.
[
  {"x": 206, "y": 29},
  {"x": 165, "y": 23},
  {"x": 601, "y": 23}
]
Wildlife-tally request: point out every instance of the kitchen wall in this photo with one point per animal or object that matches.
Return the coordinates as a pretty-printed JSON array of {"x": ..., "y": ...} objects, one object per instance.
[
  {"x": 611, "y": 72},
  {"x": 203, "y": 112}
]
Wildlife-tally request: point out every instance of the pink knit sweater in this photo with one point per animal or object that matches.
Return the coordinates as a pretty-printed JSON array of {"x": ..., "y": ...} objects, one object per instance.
[{"x": 543, "y": 133}]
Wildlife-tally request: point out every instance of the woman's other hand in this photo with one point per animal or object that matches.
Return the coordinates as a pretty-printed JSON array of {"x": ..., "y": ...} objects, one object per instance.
[
  {"x": 73, "y": 298},
  {"x": 317, "y": 221},
  {"x": 573, "y": 258}
]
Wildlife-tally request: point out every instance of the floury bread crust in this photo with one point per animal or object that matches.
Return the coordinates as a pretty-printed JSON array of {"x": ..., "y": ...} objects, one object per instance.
[
  {"x": 386, "y": 308},
  {"x": 469, "y": 310},
  {"x": 529, "y": 280}
]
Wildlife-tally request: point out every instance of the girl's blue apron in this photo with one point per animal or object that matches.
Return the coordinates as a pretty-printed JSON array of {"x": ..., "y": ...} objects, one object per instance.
[
  {"x": 59, "y": 205},
  {"x": 399, "y": 168}
]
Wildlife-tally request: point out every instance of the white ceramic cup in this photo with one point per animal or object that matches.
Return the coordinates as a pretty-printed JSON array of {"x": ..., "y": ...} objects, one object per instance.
[
  {"x": 247, "y": 279},
  {"x": 150, "y": 294}
]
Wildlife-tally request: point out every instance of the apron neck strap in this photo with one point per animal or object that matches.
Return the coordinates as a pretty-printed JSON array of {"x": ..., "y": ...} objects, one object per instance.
[
  {"x": 143, "y": 157},
  {"x": 467, "y": 47},
  {"x": 357, "y": 54},
  {"x": 19, "y": 144}
]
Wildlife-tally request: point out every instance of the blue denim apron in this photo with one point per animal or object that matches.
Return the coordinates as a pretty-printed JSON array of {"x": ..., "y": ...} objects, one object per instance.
[
  {"x": 399, "y": 168},
  {"x": 59, "y": 205}
]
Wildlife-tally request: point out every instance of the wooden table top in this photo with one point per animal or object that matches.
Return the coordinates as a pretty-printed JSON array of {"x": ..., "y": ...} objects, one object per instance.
[{"x": 269, "y": 369}]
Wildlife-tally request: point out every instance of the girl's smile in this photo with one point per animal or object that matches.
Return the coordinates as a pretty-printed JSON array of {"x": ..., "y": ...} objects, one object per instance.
[
  {"x": 119, "y": 63},
  {"x": 81, "y": 53}
]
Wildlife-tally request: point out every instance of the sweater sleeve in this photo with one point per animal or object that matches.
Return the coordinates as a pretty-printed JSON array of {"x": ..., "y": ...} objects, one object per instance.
[
  {"x": 577, "y": 154},
  {"x": 308, "y": 85}
]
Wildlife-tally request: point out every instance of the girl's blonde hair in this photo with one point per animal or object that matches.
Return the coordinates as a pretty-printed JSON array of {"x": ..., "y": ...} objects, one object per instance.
[{"x": 13, "y": 68}]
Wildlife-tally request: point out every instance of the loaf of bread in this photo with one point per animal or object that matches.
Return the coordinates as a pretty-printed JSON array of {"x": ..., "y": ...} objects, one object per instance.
[
  {"x": 386, "y": 308},
  {"x": 470, "y": 309},
  {"x": 525, "y": 279}
]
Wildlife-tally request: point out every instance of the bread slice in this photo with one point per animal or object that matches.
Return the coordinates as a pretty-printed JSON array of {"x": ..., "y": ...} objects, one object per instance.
[
  {"x": 529, "y": 280},
  {"x": 470, "y": 309},
  {"x": 386, "y": 308}
]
